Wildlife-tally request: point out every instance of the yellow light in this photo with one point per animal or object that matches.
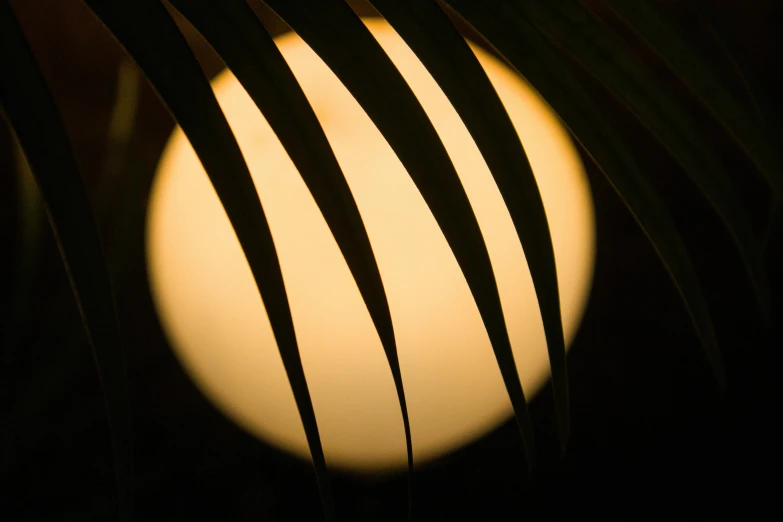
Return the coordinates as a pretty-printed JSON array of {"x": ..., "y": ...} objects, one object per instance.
[{"x": 215, "y": 320}]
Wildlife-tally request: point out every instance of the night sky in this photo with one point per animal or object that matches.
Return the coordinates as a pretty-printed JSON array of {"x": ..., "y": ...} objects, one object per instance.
[{"x": 651, "y": 433}]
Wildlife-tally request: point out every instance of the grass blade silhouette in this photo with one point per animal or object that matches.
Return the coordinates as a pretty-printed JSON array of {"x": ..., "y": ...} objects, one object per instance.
[
  {"x": 343, "y": 42},
  {"x": 665, "y": 39},
  {"x": 766, "y": 110},
  {"x": 527, "y": 51},
  {"x": 568, "y": 25},
  {"x": 35, "y": 119},
  {"x": 150, "y": 36},
  {"x": 233, "y": 30},
  {"x": 437, "y": 43}
]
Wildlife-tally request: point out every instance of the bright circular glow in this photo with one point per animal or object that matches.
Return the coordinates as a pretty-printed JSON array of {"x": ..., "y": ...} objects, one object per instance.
[{"x": 214, "y": 317}]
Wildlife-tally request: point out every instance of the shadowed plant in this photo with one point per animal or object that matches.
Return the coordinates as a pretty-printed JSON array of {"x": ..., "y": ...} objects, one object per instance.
[{"x": 549, "y": 43}]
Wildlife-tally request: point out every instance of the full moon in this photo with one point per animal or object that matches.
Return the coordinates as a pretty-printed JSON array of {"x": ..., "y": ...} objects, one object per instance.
[{"x": 215, "y": 321}]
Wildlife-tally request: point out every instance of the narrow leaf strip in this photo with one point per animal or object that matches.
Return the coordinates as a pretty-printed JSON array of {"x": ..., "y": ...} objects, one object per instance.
[
  {"x": 151, "y": 38},
  {"x": 342, "y": 41},
  {"x": 570, "y": 26},
  {"x": 27, "y": 251},
  {"x": 34, "y": 118},
  {"x": 232, "y": 28},
  {"x": 448, "y": 57},
  {"x": 527, "y": 51},
  {"x": 767, "y": 111},
  {"x": 747, "y": 74},
  {"x": 649, "y": 23}
]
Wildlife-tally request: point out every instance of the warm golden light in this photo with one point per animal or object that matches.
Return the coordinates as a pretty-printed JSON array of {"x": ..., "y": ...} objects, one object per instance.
[{"x": 216, "y": 322}]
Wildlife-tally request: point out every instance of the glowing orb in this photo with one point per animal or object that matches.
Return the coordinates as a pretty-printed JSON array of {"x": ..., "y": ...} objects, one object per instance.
[{"x": 214, "y": 317}]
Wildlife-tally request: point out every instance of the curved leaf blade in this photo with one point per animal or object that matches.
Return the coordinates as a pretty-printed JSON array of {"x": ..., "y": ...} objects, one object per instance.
[
  {"x": 27, "y": 251},
  {"x": 35, "y": 119},
  {"x": 765, "y": 110},
  {"x": 450, "y": 60},
  {"x": 342, "y": 41},
  {"x": 232, "y": 28},
  {"x": 527, "y": 51},
  {"x": 150, "y": 36},
  {"x": 649, "y": 23},
  {"x": 738, "y": 57},
  {"x": 120, "y": 134},
  {"x": 569, "y": 25}
]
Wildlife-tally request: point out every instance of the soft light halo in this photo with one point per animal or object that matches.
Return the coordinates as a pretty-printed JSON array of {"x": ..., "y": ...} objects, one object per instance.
[{"x": 215, "y": 320}]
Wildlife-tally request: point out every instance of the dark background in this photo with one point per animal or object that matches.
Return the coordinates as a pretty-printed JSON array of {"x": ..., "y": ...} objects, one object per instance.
[{"x": 650, "y": 431}]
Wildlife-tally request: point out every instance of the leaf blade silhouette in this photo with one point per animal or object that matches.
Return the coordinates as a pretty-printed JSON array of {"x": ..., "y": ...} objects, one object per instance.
[
  {"x": 35, "y": 119},
  {"x": 527, "y": 52},
  {"x": 570, "y": 26},
  {"x": 232, "y": 28},
  {"x": 342, "y": 41},
  {"x": 150, "y": 36},
  {"x": 662, "y": 36},
  {"x": 448, "y": 57}
]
